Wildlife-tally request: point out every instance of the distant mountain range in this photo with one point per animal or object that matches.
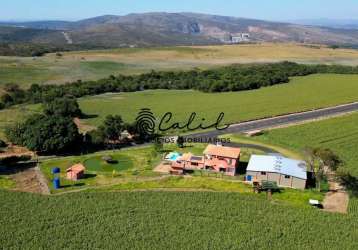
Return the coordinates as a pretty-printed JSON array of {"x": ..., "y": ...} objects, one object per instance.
[
  {"x": 154, "y": 29},
  {"x": 332, "y": 23}
]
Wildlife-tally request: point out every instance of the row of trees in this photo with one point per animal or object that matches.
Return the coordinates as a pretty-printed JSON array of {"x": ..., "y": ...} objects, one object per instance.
[
  {"x": 37, "y": 50},
  {"x": 231, "y": 78}
]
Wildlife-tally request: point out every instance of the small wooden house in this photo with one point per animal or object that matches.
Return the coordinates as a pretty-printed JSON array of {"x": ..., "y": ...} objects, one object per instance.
[{"x": 75, "y": 172}]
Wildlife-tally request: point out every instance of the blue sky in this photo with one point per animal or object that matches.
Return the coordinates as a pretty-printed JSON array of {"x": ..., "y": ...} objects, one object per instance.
[{"x": 261, "y": 9}]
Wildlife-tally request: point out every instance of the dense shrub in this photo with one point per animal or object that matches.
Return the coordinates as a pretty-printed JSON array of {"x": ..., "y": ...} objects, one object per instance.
[
  {"x": 66, "y": 106},
  {"x": 2, "y": 144},
  {"x": 28, "y": 49},
  {"x": 47, "y": 134}
]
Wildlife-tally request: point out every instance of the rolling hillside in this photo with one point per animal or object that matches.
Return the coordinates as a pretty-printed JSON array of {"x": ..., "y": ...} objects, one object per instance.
[{"x": 170, "y": 29}]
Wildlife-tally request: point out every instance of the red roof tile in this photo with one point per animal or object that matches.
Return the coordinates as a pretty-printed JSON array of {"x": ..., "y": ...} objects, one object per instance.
[{"x": 228, "y": 152}]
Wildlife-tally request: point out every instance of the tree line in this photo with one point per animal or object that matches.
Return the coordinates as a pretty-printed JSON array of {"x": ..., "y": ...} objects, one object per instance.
[
  {"x": 38, "y": 50},
  {"x": 54, "y": 131},
  {"x": 229, "y": 78}
]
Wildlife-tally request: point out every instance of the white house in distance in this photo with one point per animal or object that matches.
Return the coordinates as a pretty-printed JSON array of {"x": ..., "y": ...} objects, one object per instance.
[{"x": 285, "y": 172}]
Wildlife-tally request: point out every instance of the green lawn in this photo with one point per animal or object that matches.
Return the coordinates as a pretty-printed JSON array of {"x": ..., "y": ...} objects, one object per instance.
[
  {"x": 132, "y": 164},
  {"x": 6, "y": 182},
  {"x": 339, "y": 134},
  {"x": 183, "y": 183},
  {"x": 167, "y": 220},
  {"x": 97, "y": 164},
  {"x": 302, "y": 93}
]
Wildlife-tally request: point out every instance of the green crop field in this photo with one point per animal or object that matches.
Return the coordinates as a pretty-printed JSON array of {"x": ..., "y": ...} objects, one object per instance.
[
  {"x": 353, "y": 206},
  {"x": 338, "y": 134},
  {"x": 167, "y": 220},
  {"x": 92, "y": 65},
  {"x": 302, "y": 93}
]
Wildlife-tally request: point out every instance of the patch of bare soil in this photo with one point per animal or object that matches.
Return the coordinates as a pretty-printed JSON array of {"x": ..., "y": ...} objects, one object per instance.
[
  {"x": 337, "y": 199},
  {"x": 163, "y": 168},
  {"x": 30, "y": 180},
  {"x": 82, "y": 127},
  {"x": 16, "y": 151}
]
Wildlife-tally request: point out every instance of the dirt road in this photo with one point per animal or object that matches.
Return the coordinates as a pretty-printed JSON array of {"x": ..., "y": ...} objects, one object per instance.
[{"x": 337, "y": 199}]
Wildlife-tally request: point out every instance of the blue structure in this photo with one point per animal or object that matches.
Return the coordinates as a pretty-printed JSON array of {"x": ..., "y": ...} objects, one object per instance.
[
  {"x": 56, "y": 183},
  {"x": 56, "y": 170},
  {"x": 56, "y": 180}
]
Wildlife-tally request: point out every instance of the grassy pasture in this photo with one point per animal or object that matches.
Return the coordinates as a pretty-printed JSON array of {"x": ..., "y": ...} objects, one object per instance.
[
  {"x": 167, "y": 220},
  {"x": 302, "y": 93},
  {"x": 97, "y": 164},
  {"x": 15, "y": 114},
  {"x": 92, "y": 65}
]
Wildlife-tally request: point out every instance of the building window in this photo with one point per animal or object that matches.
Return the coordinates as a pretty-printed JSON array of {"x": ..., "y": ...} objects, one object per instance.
[
  {"x": 195, "y": 164},
  {"x": 287, "y": 177},
  {"x": 263, "y": 173}
]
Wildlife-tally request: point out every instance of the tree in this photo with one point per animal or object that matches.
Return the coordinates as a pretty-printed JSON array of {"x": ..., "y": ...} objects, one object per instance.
[
  {"x": 6, "y": 99},
  {"x": 349, "y": 181},
  {"x": 318, "y": 159},
  {"x": 329, "y": 158},
  {"x": 112, "y": 127},
  {"x": 46, "y": 134},
  {"x": 96, "y": 137},
  {"x": 65, "y": 106}
]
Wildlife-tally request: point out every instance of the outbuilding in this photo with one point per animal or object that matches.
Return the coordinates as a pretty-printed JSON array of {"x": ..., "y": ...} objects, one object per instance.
[
  {"x": 284, "y": 171},
  {"x": 75, "y": 172}
]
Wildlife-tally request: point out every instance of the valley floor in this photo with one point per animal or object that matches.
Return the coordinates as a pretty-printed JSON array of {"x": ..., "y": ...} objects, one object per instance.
[{"x": 92, "y": 65}]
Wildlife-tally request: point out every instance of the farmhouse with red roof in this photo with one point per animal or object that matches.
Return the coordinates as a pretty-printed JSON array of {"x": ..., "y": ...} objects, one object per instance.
[{"x": 216, "y": 158}]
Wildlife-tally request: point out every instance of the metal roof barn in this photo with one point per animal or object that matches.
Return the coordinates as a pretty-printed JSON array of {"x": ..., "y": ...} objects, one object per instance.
[{"x": 278, "y": 164}]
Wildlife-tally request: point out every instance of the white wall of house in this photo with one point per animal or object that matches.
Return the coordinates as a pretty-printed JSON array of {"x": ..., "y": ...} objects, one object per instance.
[{"x": 280, "y": 179}]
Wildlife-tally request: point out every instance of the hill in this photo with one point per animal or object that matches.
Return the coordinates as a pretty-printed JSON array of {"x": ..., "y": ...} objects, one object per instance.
[
  {"x": 151, "y": 29},
  {"x": 332, "y": 23}
]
